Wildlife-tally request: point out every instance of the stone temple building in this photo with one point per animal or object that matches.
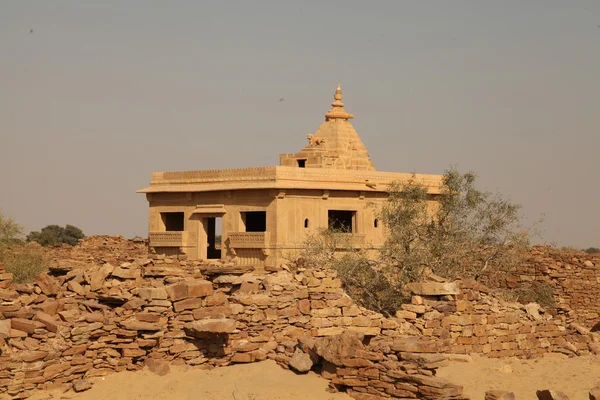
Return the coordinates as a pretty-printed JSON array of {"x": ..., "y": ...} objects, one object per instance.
[{"x": 264, "y": 214}]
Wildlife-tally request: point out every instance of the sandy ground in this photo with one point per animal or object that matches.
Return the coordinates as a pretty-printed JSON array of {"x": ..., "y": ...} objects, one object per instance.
[
  {"x": 572, "y": 376},
  {"x": 267, "y": 381},
  {"x": 256, "y": 381}
]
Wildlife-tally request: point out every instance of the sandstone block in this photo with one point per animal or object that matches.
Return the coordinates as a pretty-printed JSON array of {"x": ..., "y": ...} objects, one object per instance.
[
  {"x": 212, "y": 312},
  {"x": 243, "y": 358},
  {"x": 415, "y": 308},
  {"x": 595, "y": 393},
  {"x": 47, "y": 284},
  {"x": 220, "y": 325},
  {"x": 147, "y": 317},
  {"x": 550, "y": 395},
  {"x": 81, "y": 385},
  {"x": 26, "y": 325},
  {"x": 499, "y": 395},
  {"x": 54, "y": 370},
  {"x": 249, "y": 287},
  {"x": 336, "y": 348},
  {"x": 50, "y": 323},
  {"x": 199, "y": 288},
  {"x": 459, "y": 358},
  {"x": 136, "y": 325},
  {"x": 73, "y": 350},
  {"x": 415, "y": 344},
  {"x": 434, "y": 288},
  {"x": 32, "y": 356},
  {"x": 159, "y": 367},
  {"x": 133, "y": 352},
  {"x": 6, "y": 276},
  {"x": 330, "y": 331},
  {"x": 161, "y": 270},
  {"x": 177, "y": 291},
  {"x": 304, "y": 306},
  {"x": 328, "y": 369},
  {"x": 405, "y": 314},
  {"x": 126, "y": 273},
  {"x": 153, "y": 293},
  {"x": 97, "y": 278},
  {"x": 76, "y": 287},
  {"x": 301, "y": 362},
  {"x": 187, "y": 304},
  {"x": 5, "y": 327}
]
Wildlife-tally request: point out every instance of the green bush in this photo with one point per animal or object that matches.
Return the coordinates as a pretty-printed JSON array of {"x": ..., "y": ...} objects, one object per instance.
[{"x": 54, "y": 234}]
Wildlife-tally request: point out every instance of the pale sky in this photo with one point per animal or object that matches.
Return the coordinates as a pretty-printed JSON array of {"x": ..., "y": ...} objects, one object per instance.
[{"x": 101, "y": 94}]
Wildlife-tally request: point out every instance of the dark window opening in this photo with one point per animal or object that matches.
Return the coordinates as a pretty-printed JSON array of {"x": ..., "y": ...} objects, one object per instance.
[
  {"x": 342, "y": 221},
  {"x": 301, "y": 163},
  {"x": 376, "y": 223},
  {"x": 306, "y": 223},
  {"x": 255, "y": 221},
  {"x": 213, "y": 233},
  {"x": 173, "y": 221}
]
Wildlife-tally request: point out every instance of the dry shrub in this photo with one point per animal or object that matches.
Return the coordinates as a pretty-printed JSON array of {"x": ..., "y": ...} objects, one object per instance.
[
  {"x": 463, "y": 233},
  {"x": 370, "y": 284},
  {"x": 534, "y": 292},
  {"x": 25, "y": 262}
]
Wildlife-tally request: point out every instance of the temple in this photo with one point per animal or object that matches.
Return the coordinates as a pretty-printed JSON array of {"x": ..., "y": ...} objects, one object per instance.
[{"x": 259, "y": 216}]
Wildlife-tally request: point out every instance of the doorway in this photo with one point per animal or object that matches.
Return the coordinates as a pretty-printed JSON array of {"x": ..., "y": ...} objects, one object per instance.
[{"x": 214, "y": 231}]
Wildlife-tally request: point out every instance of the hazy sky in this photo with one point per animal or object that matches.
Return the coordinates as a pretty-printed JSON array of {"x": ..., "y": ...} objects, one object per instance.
[{"x": 103, "y": 93}]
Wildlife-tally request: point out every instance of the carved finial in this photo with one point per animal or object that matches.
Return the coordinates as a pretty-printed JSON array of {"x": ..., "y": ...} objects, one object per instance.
[
  {"x": 338, "y": 112},
  {"x": 338, "y": 96}
]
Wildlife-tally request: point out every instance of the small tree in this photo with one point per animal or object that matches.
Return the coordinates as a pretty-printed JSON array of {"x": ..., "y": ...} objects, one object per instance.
[
  {"x": 592, "y": 250},
  {"x": 54, "y": 234},
  {"x": 10, "y": 231},
  {"x": 464, "y": 232}
]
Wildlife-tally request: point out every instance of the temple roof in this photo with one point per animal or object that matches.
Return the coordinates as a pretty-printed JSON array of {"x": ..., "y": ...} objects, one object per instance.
[
  {"x": 334, "y": 159},
  {"x": 278, "y": 177},
  {"x": 335, "y": 144}
]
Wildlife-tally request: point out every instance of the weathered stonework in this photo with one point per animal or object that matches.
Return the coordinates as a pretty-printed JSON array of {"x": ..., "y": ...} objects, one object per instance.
[
  {"x": 267, "y": 212},
  {"x": 78, "y": 323},
  {"x": 574, "y": 279}
]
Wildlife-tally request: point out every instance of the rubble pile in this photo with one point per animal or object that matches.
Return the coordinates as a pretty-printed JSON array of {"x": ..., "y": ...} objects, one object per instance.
[
  {"x": 386, "y": 367},
  {"x": 75, "y": 324},
  {"x": 94, "y": 250},
  {"x": 90, "y": 316}
]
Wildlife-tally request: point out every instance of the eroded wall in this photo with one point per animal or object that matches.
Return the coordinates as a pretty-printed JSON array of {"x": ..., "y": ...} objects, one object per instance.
[{"x": 88, "y": 321}]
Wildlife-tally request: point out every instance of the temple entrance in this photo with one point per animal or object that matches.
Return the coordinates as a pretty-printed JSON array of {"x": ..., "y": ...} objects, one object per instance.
[{"x": 214, "y": 230}]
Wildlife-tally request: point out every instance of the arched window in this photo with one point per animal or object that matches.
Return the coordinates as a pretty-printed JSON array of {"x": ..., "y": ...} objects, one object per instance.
[
  {"x": 306, "y": 223},
  {"x": 376, "y": 223}
]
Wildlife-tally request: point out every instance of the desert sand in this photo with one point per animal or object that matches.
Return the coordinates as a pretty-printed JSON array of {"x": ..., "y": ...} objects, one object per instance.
[
  {"x": 572, "y": 376},
  {"x": 258, "y": 381},
  {"x": 267, "y": 381}
]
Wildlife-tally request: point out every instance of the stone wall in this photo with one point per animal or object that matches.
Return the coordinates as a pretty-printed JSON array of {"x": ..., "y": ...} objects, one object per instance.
[
  {"x": 573, "y": 276},
  {"x": 76, "y": 324},
  {"x": 468, "y": 319},
  {"x": 79, "y": 322}
]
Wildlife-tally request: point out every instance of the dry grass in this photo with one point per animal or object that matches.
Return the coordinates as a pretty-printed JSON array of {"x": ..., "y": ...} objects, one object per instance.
[{"x": 24, "y": 261}]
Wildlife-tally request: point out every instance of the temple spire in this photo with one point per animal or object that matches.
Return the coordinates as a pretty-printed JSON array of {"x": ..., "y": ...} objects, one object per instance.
[{"x": 337, "y": 111}]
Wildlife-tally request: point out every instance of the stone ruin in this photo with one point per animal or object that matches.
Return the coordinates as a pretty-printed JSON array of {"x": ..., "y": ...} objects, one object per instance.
[{"x": 76, "y": 323}]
